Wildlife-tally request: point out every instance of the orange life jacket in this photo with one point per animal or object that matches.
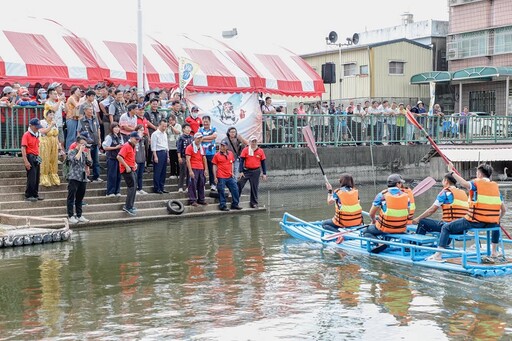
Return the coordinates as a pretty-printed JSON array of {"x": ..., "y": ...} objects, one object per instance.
[
  {"x": 487, "y": 206},
  {"x": 394, "y": 220},
  {"x": 412, "y": 205},
  {"x": 458, "y": 208},
  {"x": 350, "y": 213}
]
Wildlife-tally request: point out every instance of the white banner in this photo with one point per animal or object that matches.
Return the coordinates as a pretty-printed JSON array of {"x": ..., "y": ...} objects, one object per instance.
[
  {"x": 187, "y": 70},
  {"x": 241, "y": 111},
  {"x": 432, "y": 97}
]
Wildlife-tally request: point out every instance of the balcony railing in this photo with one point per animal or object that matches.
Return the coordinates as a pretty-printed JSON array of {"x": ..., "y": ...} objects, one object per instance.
[{"x": 284, "y": 130}]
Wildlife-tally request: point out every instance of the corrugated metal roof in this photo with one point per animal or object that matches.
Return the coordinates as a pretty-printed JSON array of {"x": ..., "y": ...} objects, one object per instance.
[{"x": 478, "y": 153}]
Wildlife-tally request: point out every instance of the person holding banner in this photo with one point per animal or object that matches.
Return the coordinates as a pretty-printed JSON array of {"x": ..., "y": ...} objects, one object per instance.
[{"x": 252, "y": 159}]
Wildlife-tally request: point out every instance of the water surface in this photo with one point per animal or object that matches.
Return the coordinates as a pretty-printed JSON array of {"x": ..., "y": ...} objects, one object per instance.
[{"x": 238, "y": 278}]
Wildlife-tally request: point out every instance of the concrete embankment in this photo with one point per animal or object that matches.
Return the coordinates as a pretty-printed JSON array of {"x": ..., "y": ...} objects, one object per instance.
[{"x": 292, "y": 168}]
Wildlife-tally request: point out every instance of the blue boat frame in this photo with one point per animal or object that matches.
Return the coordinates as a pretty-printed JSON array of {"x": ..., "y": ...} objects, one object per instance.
[{"x": 397, "y": 251}]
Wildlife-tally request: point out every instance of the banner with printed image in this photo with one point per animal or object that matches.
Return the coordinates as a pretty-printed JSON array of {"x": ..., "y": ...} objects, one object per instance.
[{"x": 240, "y": 110}]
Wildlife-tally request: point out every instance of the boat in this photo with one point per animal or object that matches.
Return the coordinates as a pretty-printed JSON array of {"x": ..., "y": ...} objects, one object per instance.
[
  {"x": 21, "y": 230},
  {"x": 410, "y": 248}
]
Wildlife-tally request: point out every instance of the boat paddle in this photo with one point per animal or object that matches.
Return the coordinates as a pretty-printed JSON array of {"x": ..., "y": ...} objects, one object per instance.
[
  {"x": 413, "y": 120},
  {"x": 310, "y": 140},
  {"x": 423, "y": 186},
  {"x": 341, "y": 233}
]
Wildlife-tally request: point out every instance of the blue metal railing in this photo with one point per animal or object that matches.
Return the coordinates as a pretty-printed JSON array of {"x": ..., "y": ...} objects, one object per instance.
[{"x": 329, "y": 130}]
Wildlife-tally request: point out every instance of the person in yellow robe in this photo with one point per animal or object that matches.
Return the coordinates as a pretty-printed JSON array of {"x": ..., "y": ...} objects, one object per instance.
[{"x": 49, "y": 150}]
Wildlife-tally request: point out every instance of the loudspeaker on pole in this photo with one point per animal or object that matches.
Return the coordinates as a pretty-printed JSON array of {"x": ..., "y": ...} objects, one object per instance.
[{"x": 329, "y": 73}]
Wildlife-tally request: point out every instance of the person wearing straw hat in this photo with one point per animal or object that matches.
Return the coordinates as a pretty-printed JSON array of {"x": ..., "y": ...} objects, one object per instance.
[{"x": 252, "y": 164}]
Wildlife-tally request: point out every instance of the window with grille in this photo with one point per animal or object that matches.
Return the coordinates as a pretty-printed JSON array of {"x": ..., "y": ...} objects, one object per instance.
[
  {"x": 484, "y": 101},
  {"x": 396, "y": 68},
  {"x": 363, "y": 70},
  {"x": 503, "y": 40},
  {"x": 349, "y": 69}
]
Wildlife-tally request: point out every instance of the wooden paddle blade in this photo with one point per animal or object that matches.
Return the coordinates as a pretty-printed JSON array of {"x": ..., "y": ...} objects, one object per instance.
[
  {"x": 424, "y": 186},
  {"x": 310, "y": 140}
]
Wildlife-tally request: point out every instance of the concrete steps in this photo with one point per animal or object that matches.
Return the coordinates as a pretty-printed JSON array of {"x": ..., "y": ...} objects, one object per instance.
[{"x": 100, "y": 210}]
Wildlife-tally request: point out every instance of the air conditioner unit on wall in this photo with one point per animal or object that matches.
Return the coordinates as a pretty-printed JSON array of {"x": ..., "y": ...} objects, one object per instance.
[{"x": 453, "y": 54}]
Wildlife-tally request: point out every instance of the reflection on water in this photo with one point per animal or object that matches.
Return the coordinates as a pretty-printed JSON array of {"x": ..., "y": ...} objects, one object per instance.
[{"x": 237, "y": 277}]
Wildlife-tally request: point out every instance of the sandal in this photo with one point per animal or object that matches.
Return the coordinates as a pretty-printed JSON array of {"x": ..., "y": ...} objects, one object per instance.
[
  {"x": 435, "y": 259},
  {"x": 488, "y": 260}
]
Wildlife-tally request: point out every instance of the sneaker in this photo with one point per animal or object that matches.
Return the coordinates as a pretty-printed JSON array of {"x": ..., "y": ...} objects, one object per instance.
[
  {"x": 73, "y": 220},
  {"x": 118, "y": 194},
  {"x": 83, "y": 219},
  {"x": 224, "y": 208},
  {"x": 129, "y": 211},
  {"x": 139, "y": 192},
  {"x": 213, "y": 188},
  {"x": 97, "y": 180},
  {"x": 84, "y": 203},
  {"x": 110, "y": 195},
  {"x": 180, "y": 190},
  {"x": 173, "y": 177},
  {"x": 32, "y": 199},
  {"x": 236, "y": 208},
  {"x": 143, "y": 192}
]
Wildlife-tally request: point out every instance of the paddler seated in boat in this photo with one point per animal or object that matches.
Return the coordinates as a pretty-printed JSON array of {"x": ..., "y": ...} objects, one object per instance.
[
  {"x": 453, "y": 202},
  {"x": 486, "y": 208},
  {"x": 348, "y": 211},
  {"x": 392, "y": 206}
]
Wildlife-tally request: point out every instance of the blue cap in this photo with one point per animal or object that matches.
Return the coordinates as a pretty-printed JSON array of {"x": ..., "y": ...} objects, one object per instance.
[
  {"x": 135, "y": 135},
  {"x": 36, "y": 123}
]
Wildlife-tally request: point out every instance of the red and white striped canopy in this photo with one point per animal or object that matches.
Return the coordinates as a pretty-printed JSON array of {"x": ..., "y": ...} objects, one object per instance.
[{"x": 43, "y": 51}]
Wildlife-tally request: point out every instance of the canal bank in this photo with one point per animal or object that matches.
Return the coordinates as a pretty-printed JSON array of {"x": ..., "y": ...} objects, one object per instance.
[
  {"x": 288, "y": 168},
  {"x": 298, "y": 168}
]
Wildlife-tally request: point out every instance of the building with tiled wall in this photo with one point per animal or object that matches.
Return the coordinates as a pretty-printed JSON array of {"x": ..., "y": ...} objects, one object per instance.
[{"x": 479, "y": 54}]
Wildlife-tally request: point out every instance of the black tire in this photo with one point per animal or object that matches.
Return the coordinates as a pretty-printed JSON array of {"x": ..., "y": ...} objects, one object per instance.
[{"x": 175, "y": 207}]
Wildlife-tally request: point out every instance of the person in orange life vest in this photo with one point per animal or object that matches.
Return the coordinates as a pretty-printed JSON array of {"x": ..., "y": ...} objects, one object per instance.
[
  {"x": 127, "y": 168},
  {"x": 348, "y": 209},
  {"x": 252, "y": 159},
  {"x": 198, "y": 171},
  {"x": 393, "y": 208},
  {"x": 223, "y": 163},
  {"x": 194, "y": 121},
  {"x": 486, "y": 208},
  {"x": 412, "y": 203},
  {"x": 453, "y": 202}
]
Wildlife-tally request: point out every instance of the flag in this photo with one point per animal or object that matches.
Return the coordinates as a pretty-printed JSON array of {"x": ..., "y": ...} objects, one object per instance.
[
  {"x": 432, "y": 97},
  {"x": 187, "y": 71}
]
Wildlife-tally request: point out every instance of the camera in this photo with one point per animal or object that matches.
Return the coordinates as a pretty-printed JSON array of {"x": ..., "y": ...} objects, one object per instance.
[{"x": 88, "y": 145}]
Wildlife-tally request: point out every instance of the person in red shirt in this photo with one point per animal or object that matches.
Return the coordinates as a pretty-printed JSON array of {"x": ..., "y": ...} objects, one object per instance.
[
  {"x": 252, "y": 164},
  {"x": 195, "y": 121},
  {"x": 198, "y": 171},
  {"x": 127, "y": 167},
  {"x": 223, "y": 163},
  {"x": 31, "y": 159}
]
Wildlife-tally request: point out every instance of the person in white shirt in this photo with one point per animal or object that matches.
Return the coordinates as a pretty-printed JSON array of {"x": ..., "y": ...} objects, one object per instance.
[
  {"x": 160, "y": 150},
  {"x": 128, "y": 121},
  {"x": 173, "y": 133}
]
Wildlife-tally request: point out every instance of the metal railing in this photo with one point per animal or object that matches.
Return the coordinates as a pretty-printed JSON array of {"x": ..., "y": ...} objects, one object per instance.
[{"x": 329, "y": 130}]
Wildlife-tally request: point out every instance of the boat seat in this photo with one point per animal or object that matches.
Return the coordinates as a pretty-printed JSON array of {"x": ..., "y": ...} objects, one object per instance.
[
  {"x": 487, "y": 231},
  {"x": 408, "y": 238}
]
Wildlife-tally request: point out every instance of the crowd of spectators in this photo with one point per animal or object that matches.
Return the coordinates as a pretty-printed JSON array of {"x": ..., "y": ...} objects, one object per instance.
[{"x": 137, "y": 137}]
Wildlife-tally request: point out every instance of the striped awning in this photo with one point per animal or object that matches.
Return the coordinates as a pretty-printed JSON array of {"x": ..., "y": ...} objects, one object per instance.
[
  {"x": 477, "y": 73},
  {"x": 476, "y": 153},
  {"x": 43, "y": 51},
  {"x": 432, "y": 76}
]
